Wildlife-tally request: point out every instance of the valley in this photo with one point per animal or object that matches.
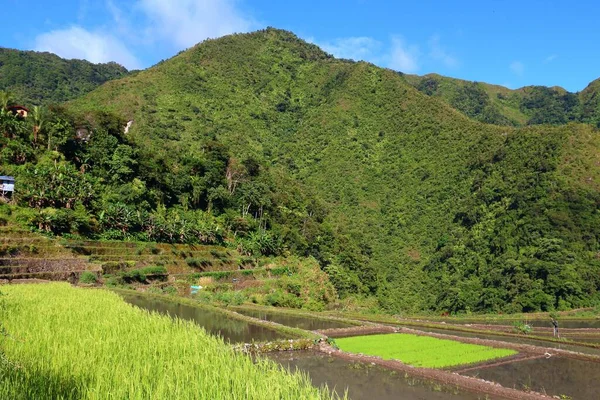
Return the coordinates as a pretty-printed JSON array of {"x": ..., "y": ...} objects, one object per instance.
[{"x": 255, "y": 218}]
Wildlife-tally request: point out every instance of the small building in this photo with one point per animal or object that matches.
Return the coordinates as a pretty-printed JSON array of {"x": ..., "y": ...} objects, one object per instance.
[
  {"x": 20, "y": 111},
  {"x": 82, "y": 133},
  {"x": 7, "y": 185}
]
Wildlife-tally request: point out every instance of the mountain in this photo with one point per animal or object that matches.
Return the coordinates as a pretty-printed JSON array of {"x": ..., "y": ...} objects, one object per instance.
[
  {"x": 397, "y": 194},
  {"x": 531, "y": 105},
  {"x": 44, "y": 78}
]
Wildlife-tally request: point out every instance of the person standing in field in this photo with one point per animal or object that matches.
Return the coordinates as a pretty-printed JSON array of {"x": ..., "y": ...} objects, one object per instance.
[{"x": 555, "y": 325}]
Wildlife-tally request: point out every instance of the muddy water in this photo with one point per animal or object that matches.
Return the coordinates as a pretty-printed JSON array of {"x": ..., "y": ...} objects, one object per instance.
[
  {"x": 294, "y": 321},
  {"x": 534, "y": 342},
  {"x": 536, "y": 323},
  {"x": 365, "y": 381},
  {"x": 554, "y": 376},
  {"x": 229, "y": 329}
]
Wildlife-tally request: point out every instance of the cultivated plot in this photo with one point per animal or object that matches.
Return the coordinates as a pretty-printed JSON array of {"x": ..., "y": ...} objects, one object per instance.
[{"x": 421, "y": 351}]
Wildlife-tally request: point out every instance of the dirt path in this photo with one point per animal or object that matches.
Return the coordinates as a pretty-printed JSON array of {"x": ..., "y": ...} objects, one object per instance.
[{"x": 497, "y": 364}]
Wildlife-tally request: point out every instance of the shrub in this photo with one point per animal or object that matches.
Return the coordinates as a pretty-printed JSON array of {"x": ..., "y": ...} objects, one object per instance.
[
  {"x": 521, "y": 327},
  {"x": 172, "y": 290},
  {"x": 219, "y": 254},
  {"x": 198, "y": 262},
  {"x": 88, "y": 277}
]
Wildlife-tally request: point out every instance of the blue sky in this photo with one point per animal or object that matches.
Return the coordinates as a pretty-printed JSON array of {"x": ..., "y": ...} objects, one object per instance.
[{"x": 506, "y": 42}]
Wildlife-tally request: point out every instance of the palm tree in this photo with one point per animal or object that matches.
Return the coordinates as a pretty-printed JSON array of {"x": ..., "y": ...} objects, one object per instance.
[
  {"x": 6, "y": 98},
  {"x": 38, "y": 121}
]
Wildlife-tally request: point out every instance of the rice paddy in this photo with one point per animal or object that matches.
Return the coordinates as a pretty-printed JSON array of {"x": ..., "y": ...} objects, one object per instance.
[
  {"x": 74, "y": 343},
  {"x": 421, "y": 351}
]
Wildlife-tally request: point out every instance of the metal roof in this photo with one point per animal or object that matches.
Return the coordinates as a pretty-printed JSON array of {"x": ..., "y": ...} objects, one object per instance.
[{"x": 7, "y": 178}]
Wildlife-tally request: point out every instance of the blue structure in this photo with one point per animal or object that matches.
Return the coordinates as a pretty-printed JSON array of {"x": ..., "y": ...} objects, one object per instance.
[
  {"x": 7, "y": 184},
  {"x": 194, "y": 289}
]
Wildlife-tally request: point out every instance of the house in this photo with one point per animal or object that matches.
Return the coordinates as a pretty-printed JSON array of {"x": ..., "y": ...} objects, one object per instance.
[
  {"x": 82, "y": 133},
  {"x": 18, "y": 110},
  {"x": 7, "y": 185}
]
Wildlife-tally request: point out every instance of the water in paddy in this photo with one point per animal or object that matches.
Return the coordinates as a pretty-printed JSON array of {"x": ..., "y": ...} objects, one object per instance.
[
  {"x": 539, "y": 323},
  {"x": 555, "y": 376},
  {"x": 232, "y": 330},
  {"x": 294, "y": 321},
  {"x": 366, "y": 381},
  {"x": 511, "y": 339}
]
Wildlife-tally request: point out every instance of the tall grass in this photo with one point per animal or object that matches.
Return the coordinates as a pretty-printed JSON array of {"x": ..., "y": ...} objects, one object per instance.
[
  {"x": 74, "y": 343},
  {"x": 421, "y": 351}
]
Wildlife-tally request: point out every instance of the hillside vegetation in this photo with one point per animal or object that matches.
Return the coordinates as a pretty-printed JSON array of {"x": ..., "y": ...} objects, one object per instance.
[
  {"x": 274, "y": 146},
  {"x": 530, "y": 105},
  {"x": 43, "y": 78}
]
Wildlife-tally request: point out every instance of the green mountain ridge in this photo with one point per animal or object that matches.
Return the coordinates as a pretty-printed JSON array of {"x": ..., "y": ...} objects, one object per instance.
[
  {"x": 397, "y": 194},
  {"x": 37, "y": 78},
  {"x": 529, "y": 105}
]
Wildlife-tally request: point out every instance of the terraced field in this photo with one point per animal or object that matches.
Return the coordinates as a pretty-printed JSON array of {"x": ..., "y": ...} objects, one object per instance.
[
  {"x": 25, "y": 255},
  {"x": 421, "y": 351}
]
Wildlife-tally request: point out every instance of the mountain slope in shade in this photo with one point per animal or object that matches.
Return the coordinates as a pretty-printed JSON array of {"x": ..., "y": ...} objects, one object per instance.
[
  {"x": 530, "y": 105},
  {"x": 43, "y": 78}
]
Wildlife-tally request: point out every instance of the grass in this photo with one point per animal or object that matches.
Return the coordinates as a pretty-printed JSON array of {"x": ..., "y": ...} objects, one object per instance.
[
  {"x": 75, "y": 343},
  {"x": 421, "y": 351}
]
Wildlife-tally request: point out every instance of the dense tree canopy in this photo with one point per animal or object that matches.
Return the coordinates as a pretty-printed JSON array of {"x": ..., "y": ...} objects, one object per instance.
[
  {"x": 266, "y": 142},
  {"x": 44, "y": 78},
  {"x": 531, "y": 105}
]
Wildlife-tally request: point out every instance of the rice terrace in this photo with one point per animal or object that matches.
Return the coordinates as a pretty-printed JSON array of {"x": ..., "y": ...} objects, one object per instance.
[{"x": 194, "y": 206}]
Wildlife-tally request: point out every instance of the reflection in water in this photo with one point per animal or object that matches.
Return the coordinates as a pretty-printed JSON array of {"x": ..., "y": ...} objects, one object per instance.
[
  {"x": 231, "y": 330},
  {"x": 366, "y": 381},
  {"x": 539, "y": 323},
  {"x": 555, "y": 376},
  {"x": 294, "y": 321}
]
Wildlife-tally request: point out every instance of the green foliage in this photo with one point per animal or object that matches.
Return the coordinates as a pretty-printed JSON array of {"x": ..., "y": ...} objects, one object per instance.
[
  {"x": 522, "y": 327},
  {"x": 44, "y": 78},
  {"x": 88, "y": 277},
  {"x": 141, "y": 274},
  {"x": 399, "y": 197},
  {"x": 196, "y": 262},
  {"x": 531, "y": 105},
  {"x": 270, "y": 145}
]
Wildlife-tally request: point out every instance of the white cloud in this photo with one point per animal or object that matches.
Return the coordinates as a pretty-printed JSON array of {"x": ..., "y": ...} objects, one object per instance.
[
  {"x": 354, "y": 48},
  {"x": 550, "y": 58},
  {"x": 438, "y": 53},
  {"x": 188, "y": 22},
  {"x": 96, "y": 47},
  {"x": 403, "y": 57},
  {"x": 517, "y": 68}
]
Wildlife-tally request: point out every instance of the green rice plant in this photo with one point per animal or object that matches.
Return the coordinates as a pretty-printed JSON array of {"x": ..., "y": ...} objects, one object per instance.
[
  {"x": 421, "y": 351},
  {"x": 76, "y": 343}
]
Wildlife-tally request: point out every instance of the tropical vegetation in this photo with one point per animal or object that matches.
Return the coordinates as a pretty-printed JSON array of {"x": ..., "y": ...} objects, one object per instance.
[
  {"x": 530, "y": 105},
  {"x": 266, "y": 143},
  {"x": 43, "y": 78}
]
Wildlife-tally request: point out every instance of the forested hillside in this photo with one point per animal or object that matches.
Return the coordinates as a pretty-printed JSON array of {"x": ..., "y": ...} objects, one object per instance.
[
  {"x": 530, "y": 105},
  {"x": 284, "y": 149},
  {"x": 44, "y": 78}
]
